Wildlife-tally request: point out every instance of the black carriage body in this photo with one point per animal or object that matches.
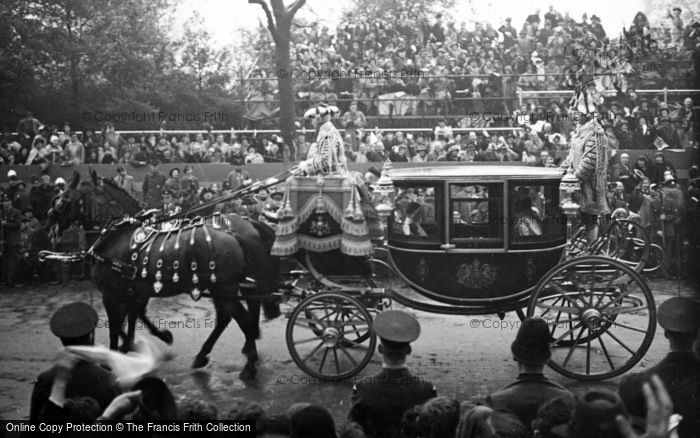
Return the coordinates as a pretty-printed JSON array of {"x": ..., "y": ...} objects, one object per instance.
[{"x": 476, "y": 235}]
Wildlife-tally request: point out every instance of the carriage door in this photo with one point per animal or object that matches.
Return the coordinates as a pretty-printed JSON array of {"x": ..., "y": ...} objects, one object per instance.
[
  {"x": 475, "y": 215},
  {"x": 418, "y": 216}
]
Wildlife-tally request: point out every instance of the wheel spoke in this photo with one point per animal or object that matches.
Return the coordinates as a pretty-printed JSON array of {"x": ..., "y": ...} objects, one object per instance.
[
  {"x": 550, "y": 308},
  {"x": 308, "y": 356},
  {"x": 619, "y": 342},
  {"x": 356, "y": 344},
  {"x": 306, "y": 341},
  {"x": 356, "y": 330},
  {"x": 619, "y": 310},
  {"x": 573, "y": 329},
  {"x": 573, "y": 347},
  {"x": 352, "y": 359},
  {"x": 628, "y": 327},
  {"x": 323, "y": 360},
  {"x": 588, "y": 353},
  {"x": 605, "y": 351},
  {"x": 337, "y": 362}
]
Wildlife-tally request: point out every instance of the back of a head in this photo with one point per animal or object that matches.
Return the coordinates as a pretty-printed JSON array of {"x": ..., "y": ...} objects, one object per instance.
[
  {"x": 594, "y": 415},
  {"x": 158, "y": 400},
  {"x": 553, "y": 418},
  {"x": 312, "y": 422},
  {"x": 352, "y": 430},
  {"x": 484, "y": 422},
  {"x": 438, "y": 417},
  {"x": 82, "y": 410},
  {"x": 197, "y": 410}
]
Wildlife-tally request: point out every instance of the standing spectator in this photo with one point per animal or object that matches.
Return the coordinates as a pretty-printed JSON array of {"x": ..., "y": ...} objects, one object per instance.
[
  {"x": 644, "y": 134},
  {"x": 125, "y": 181},
  {"x": 190, "y": 189},
  {"x": 676, "y": 28},
  {"x": 28, "y": 128},
  {"x": 378, "y": 403},
  {"x": 237, "y": 178},
  {"x": 153, "y": 185},
  {"x": 174, "y": 185},
  {"x": 37, "y": 152},
  {"x": 679, "y": 370},
  {"x": 531, "y": 350},
  {"x": 11, "y": 223},
  {"x": 74, "y": 324},
  {"x": 302, "y": 147},
  {"x": 354, "y": 122}
]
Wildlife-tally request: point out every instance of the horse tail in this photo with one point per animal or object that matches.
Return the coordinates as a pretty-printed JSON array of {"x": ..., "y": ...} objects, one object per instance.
[{"x": 268, "y": 281}]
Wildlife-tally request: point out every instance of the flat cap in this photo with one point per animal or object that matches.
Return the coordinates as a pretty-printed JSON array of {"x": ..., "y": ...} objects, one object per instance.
[
  {"x": 396, "y": 326},
  {"x": 73, "y": 320},
  {"x": 679, "y": 314}
]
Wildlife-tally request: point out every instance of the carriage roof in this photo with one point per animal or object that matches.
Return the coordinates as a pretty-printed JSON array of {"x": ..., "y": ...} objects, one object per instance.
[{"x": 499, "y": 172}]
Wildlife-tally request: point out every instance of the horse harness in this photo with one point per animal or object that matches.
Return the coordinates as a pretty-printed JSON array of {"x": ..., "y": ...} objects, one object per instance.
[{"x": 141, "y": 244}]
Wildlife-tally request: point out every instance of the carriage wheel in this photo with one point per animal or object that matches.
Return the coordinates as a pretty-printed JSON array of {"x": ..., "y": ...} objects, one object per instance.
[
  {"x": 326, "y": 336},
  {"x": 601, "y": 314},
  {"x": 656, "y": 259},
  {"x": 625, "y": 241}
]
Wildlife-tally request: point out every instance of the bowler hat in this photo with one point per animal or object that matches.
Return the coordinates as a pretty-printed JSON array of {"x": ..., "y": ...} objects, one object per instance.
[
  {"x": 73, "y": 320},
  {"x": 396, "y": 326},
  {"x": 595, "y": 415},
  {"x": 679, "y": 314},
  {"x": 531, "y": 345}
]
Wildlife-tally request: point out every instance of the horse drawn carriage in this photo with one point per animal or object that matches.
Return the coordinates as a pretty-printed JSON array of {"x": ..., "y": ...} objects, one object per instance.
[
  {"x": 458, "y": 240},
  {"x": 477, "y": 240}
]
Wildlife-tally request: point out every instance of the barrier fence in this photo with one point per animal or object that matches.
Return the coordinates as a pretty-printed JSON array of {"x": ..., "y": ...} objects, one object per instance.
[{"x": 216, "y": 173}]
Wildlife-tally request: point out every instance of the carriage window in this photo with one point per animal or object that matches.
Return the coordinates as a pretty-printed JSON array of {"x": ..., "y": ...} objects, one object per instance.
[
  {"x": 475, "y": 210},
  {"x": 535, "y": 213},
  {"x": 415, "y": 214}
]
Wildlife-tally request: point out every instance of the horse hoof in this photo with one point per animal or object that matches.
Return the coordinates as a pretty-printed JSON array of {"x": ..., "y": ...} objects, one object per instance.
[
  {"x": 248, "y": 373},
  {"x": 200, "y": 362},
  {"x": 250, "y": 353},
  {"x": 167, "y": 337}
]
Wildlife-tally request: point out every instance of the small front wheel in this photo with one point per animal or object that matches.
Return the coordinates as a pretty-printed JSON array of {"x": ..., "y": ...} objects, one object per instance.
[{"x": 329, "y": 336}]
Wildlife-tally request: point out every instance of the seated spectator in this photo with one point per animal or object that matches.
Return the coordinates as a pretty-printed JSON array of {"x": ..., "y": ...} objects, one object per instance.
[
  {"x": 531, "y": 389},
  {"x": 253, "y": 156}
]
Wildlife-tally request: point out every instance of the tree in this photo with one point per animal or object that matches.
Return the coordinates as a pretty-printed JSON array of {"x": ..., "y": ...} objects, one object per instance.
[{"x": 279, "y": 23}]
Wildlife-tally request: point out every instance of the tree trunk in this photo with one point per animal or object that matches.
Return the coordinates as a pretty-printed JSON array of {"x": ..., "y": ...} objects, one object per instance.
[{"x": 285, "y": 84}]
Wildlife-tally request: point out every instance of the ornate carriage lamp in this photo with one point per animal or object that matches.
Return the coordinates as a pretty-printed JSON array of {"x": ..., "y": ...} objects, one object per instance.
[
  {"x": 569, "y": 194},
  {"x": 385, "y": 196}
]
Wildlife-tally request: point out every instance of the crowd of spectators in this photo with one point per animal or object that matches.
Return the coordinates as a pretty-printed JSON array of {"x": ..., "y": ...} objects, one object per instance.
[
  {"x": 423, "y": 64},
  {"x": 386, "y": 406}
]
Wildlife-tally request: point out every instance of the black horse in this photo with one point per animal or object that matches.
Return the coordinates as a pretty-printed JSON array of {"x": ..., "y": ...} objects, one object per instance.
[{"x": 127, "y": 274}]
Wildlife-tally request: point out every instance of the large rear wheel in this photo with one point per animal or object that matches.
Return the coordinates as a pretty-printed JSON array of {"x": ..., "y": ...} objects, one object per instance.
[{"x": 602, "y": 317}]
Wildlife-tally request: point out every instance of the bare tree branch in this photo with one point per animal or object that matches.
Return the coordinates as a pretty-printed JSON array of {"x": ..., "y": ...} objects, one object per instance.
[
  {"x": 294, "y": 7},
  {"x": 270, "y": 20}
]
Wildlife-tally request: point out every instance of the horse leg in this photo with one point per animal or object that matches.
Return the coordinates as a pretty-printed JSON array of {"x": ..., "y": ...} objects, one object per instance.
[
  {"x": 115, "y": 316},
  {"x": 164, "y": 335},
  {"x": 251, "y": 331},
  {"x": 131, "y": 314},
  {"x": 223, "y": 317}
]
